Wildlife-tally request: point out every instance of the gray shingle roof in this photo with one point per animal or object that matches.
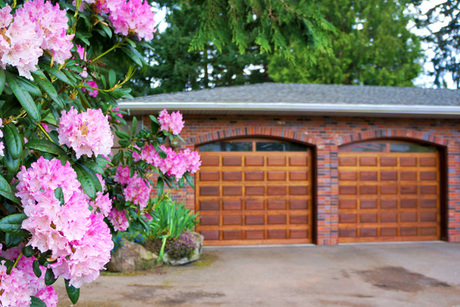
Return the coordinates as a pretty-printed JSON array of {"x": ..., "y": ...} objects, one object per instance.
[{"x": 314, "y": 93}]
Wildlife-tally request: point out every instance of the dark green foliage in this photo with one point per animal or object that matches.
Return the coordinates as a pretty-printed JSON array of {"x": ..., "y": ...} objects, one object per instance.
[
  {"x": 372, "y": 46},
  {"x": 176, "y": 67}
]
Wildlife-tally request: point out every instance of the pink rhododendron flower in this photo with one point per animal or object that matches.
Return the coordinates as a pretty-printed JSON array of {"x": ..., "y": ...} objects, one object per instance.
[
  {"x": 137, "y": 192},
  {"x": 53, "y": 23},
  {"x": 132, "y": 17},
  {"x": 192, "y": 160},
  {"x": 173, "y": 165},
  {"x": 172, "y": 123},
  {"x": 122, "y": 174},
  {"x": 135, "y": 189},
  {"x": 127, "y": 17},
  {"x": 91, "y": 92},
  {"x": 103, "y": 202},
  {"x": 118, "y": 220},
  {"x": 149, "y": 155},
  {"x": 26, "y": 284},
  {"x": 67, "y": 228},
  {"x": 89, "y": 254},
  {"x": 35, "y": 27},
  {"x": 20, "y": 44},
  {"x": 13, "y": 287},
  {"x": 86, "y": 133}
]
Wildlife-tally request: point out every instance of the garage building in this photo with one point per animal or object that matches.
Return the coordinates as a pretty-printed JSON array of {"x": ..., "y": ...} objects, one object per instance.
[{"x": 323, "y": 164}]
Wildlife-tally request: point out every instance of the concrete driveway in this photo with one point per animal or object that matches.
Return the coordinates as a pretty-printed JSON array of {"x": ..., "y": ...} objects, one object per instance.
[{"x": 401, "y": 274}]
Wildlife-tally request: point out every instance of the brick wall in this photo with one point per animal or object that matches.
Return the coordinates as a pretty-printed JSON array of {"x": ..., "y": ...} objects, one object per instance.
[{"x": 325, "y": 135}]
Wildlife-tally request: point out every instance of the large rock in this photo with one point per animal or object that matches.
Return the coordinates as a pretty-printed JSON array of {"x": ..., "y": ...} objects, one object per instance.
[
  {"x": 131, "y": 257},
  {"x": 195, "y": 255}
]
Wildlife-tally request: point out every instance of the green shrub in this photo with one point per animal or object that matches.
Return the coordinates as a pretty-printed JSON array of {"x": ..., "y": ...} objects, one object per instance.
[{"x": 170, "y": 220}]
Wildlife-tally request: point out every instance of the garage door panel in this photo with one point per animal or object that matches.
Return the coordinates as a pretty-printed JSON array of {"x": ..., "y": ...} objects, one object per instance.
[
  {"x": 255, "y": 198},
  {"x": 209, "y": 191},
  {"x": 232, "y": 205},
  {"x": 368, "y": 204},
  {"x": 367, "y": 161},
  {"x": 276, "y": 161},
  {"x": 298, "y": 204},
  {"x": 388, "y": 203},
  {"x": 277, "y": 176},
  {"x": 209, "y": 161},
  {"x": 254, "y": 161},
  {"x": 388, "y": 161},
  {"x": 298, "y": 161},
  {"x": 209, "y": 176},
  {"x": 347, "y": 204},
  {"x": 254, "y": 204},
  {"x": 210, "y": 205},
  {"x": 395, "y": 197},
  {"x": 231, "y": 176},
  {"x": 409, "y": 176}
]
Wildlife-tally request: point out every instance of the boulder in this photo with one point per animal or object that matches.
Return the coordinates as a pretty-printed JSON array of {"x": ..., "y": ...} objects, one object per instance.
[
  {"x": 130, "y": 257},
  {"x": 194, "y": 256}
]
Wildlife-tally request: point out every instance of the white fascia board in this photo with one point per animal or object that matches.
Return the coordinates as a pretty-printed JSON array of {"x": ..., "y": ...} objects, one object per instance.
[{"x": 296, "y": 108}]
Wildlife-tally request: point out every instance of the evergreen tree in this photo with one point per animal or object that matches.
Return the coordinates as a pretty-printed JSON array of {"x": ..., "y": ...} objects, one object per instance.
[
  {"x": 372, "y": 46},
  {"x": 443, "y": 40},
  {"x": 176, "y": 68}
]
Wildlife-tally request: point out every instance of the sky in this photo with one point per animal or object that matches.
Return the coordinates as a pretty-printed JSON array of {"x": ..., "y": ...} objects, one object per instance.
[{"x": 423, "y": 80}]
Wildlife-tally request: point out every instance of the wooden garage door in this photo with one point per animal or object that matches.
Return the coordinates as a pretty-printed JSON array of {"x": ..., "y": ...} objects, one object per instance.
[
  {"x": 254, "y": 192},
  {"x": 389, "y": 191}
]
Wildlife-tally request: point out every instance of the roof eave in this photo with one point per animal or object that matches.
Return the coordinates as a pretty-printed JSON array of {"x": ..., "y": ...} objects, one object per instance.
[{"x": 286, "y": 108}]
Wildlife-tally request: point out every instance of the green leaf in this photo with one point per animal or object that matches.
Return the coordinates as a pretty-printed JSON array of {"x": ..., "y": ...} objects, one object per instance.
[
  {"x": 50, "y": 119},
  {"x": 53, "y": 71},
  {"x": 36, "y": 302},
  {"x": 160, "y": 186},
  {"x": 181, "y": 182},
  {"x": 48, "y": 87},
  {"x": 88, "y": 179},
  {"x": 117, "y": 158},
  {"x": 107, "y": 30},
  {"x": 14, "y": 239},
  {"x": 121, "y": 134},
  {"x": 2, "y": 80},
  {"x": 134, "y": 126},
  {"x": 112, "y": 78},
  {"x": 124, "y": 143},
  {"x": 154, "y": 119},
  {"x": 46, "y": 146},
  {"x": 36, "y": 268},
  {"x": 93, "y": 166},
  {"x": 189, "y": 180},
  {"x": 23, "y": 96},
  {"x": 28, "y": 251},
  {"x": 12, "y": 165},
  {"x": 13, "y": 140},
  {"x": 4, "y": 185},
  {"x": 72, "y": 292},
  {"x": 29, "y": 86},
  {"x": 49, "y": 277},
  {"x": 59, "y": 195},
  {"x": 10, "y": 196},
  {"x": 82, "y": 38},
  {"x": 12, "y": 223},
  {"x": 134, "y": 55}
]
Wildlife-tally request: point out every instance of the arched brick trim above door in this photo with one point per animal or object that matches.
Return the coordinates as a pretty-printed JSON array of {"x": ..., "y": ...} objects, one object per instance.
[
  {"x": 392, "y": 133},
  {"x": 302, "y": 137}
]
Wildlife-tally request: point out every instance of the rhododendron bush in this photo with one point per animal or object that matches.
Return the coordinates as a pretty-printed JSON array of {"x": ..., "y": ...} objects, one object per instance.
[{"x": 63, "y": 194}]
